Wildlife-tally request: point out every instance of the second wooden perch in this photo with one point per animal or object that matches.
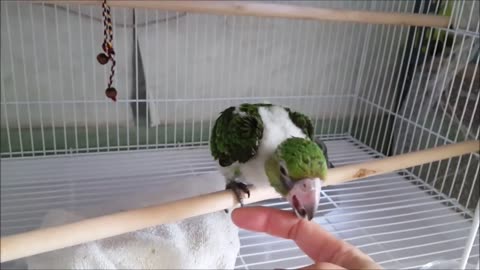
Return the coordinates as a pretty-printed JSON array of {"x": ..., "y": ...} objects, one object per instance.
[
  {"x": 258, "y": 9},
  {"x": 53, "y": 238}
]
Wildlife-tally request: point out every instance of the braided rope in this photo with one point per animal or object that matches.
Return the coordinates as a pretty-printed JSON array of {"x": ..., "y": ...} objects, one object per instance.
[
  {"x": 107, "y": 46},
  {"x": 111, "y": 52}
]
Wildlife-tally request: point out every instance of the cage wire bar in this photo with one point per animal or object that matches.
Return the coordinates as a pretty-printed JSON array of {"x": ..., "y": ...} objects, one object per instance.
[{"x": 385, "y": 89}]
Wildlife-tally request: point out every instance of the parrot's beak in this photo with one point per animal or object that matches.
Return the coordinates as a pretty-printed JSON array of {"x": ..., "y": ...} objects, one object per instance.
[{"x": 304, "y": 197}]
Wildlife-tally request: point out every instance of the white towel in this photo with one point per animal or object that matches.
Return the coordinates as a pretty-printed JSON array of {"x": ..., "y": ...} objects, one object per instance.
[{"x": 205, "y": 242}]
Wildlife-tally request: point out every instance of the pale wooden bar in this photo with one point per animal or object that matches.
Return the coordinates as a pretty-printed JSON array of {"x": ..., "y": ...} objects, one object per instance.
[{"x": 236, "y": 8}]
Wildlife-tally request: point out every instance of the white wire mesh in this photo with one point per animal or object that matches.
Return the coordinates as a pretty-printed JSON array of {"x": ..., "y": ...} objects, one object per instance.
[
  {"x": 396, "y": 218},
  {"x": 396, "y": 89},
  {"x": 174, "y": 75}
]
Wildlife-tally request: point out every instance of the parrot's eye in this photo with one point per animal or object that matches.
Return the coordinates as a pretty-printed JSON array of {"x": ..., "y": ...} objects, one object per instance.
[{"x": 285, "y": 179}]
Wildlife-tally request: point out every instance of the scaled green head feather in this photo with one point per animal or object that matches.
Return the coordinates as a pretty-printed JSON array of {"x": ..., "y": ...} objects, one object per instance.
[
  {"x": 303, "y": 158},
  {"x": 295, "y": 159}
]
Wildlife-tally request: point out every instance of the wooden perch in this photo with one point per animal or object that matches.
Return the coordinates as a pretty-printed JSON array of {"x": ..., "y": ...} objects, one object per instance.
[
  {"x": 53, "y": 238},
  {"x": 237, "y": 8},
  {"x": 394, "y": 163}
]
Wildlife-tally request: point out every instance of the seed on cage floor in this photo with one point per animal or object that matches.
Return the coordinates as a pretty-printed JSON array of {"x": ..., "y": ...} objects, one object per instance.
[
  {"x": 111, "y": 93},
  {"x": 102, "y": 58}
]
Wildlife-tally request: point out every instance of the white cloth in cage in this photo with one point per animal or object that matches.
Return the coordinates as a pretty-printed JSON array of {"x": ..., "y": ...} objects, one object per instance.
[{"x": 205, "y": 242}]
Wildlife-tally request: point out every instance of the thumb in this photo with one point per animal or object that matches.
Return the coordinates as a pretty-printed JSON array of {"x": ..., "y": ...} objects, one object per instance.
[{"x": 323, "y": 266}]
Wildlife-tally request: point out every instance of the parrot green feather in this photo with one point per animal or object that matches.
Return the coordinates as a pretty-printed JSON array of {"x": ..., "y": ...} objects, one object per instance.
[
  {"x": 303, "y": 158},
  {"x": 237, "y": 133},
  {"x": 247, "y": 126},
  {"x": 241, "y": 145},
  {"x": 302, "y": 122},
  {"x": 272, "y": 170}
]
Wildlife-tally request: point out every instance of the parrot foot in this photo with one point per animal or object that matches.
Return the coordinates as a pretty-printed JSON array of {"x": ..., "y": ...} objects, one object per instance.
[{"x": 238, "y": 188}]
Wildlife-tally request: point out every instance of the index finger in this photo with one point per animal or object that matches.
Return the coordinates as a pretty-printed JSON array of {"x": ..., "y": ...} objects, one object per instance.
[{"x": 316, "y": 242}]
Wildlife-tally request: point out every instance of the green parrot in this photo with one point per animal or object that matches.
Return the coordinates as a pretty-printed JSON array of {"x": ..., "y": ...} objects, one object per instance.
[{"x": 265, "y": 144}]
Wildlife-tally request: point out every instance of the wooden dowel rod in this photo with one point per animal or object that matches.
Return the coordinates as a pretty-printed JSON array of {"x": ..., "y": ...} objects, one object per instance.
[
  {"x": 53, "y": 238},
  {"x": 398, "y": 162},
  {"x": 57, "y": 237},
  {"x": 237, "y": 8}
]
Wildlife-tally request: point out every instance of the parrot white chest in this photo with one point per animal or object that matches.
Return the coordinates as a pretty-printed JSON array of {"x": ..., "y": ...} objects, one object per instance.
[{"x": 277, "y": 128}]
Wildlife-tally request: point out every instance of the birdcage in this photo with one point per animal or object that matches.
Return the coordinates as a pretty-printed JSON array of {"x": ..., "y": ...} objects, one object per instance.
[{"x": 375, "y": 82}]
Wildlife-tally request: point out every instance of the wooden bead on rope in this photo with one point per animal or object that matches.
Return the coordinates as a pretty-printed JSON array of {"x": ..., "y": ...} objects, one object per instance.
[
  {"x": 102, "y": 58},
  {"x": 111, "y": 93}
]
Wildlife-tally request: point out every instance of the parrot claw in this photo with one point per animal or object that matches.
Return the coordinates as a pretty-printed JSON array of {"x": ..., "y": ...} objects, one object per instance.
[{"x": 237, "y": 187}]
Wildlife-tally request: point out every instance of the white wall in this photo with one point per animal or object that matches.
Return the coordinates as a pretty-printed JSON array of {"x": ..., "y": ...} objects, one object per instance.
[{"x": 209, "y": 57}]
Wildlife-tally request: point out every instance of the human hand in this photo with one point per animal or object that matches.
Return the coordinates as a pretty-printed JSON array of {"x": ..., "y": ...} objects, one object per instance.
[{"x": 323, "y": 248}]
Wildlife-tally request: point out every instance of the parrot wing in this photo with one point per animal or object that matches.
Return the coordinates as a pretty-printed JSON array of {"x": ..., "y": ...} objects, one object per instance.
[
  {"x": 236, "y": 134},
  {"x": 302, "y": 121}
]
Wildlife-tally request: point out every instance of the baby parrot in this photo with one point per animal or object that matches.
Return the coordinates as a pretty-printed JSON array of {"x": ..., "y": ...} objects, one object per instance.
[{"x": 266, "y": 144}]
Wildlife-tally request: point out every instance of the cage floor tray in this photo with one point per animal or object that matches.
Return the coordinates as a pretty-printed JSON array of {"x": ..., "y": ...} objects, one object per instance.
[{"x": 396, "y": 218}]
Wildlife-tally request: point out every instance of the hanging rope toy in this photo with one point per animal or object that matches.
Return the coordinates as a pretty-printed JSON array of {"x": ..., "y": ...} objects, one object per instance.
[{"x": 108, "y": 51}]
